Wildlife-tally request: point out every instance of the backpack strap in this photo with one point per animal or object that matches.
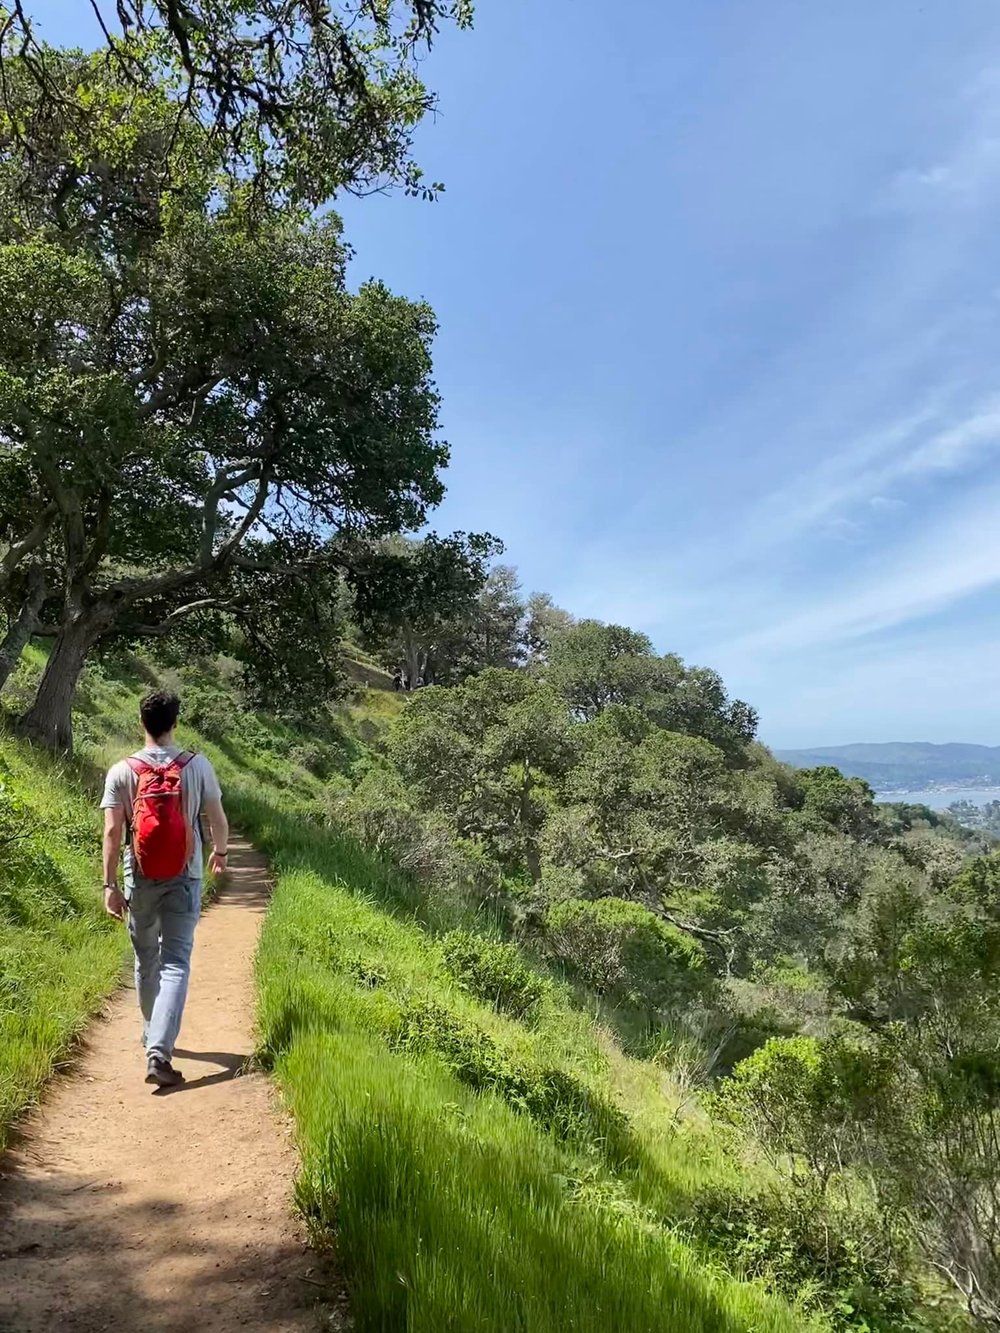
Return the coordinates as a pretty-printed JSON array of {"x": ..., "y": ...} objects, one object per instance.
[{"x": 179, "y": 761}]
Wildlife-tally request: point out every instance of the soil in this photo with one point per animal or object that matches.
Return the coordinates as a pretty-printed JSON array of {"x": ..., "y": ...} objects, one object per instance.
[{"x": 125, "y": 1207}]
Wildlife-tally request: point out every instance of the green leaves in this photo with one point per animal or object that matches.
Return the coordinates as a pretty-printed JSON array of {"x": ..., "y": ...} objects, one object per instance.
[
  {"x": 296, "y": 101},
  {"x": 597, "y": 666}
]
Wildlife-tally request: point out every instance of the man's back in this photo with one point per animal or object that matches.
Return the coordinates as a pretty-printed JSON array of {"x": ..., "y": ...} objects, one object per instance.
[{"x": 198, "y": 786}]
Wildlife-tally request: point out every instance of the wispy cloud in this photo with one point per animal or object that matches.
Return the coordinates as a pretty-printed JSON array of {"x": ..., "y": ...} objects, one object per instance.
[
  {"x": 869, "y": 474},
  {"x": 960, "y": 179},
  {"x": 945, "y": 562}
]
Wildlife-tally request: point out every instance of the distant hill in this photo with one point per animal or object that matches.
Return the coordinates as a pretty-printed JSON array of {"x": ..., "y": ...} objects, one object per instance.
[{"x": 907, "y": 765}]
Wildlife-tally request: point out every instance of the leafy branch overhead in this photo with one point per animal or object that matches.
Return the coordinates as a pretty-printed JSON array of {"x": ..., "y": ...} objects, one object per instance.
[{"x": 302, "y": 99}]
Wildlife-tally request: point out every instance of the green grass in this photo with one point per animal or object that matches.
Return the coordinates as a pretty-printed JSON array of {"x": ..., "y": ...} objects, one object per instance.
[
  {"x": 452, "y": 1212},
  {"x": 475, "y": 1173},
  {"x": 59, "y": 954}
]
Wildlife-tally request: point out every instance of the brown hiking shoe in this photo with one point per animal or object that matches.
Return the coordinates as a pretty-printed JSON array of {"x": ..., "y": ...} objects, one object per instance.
[{"x": 162, "y": 1073}]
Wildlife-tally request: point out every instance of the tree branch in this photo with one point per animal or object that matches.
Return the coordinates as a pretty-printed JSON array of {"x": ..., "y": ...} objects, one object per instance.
[{"x": 28, "y": 543}]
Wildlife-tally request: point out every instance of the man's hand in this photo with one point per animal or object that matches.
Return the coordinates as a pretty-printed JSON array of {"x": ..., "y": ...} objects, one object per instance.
[
  {"x": 114, "y": 902},
  {"x": 218, "y": 863}
]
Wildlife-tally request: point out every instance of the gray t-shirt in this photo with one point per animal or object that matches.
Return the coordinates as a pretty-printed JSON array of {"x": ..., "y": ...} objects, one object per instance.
[{"x": 198, "y": 785}]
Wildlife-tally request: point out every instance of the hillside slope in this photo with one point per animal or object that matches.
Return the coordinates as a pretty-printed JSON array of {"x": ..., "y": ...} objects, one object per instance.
[
  {"x": 475, "y": 1136},
  {"x": 459, "y": 1159}
]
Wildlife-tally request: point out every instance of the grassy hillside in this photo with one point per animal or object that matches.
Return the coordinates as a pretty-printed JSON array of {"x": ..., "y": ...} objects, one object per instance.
[
  {"x": 59, "y": 954},
  {"x": 474, "y": 1138}
]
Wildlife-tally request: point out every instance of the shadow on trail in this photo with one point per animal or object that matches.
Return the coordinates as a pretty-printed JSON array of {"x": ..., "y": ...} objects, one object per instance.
[
  {"x": 194, "y": 1287},
  {"x": 232, "y": 1066}
]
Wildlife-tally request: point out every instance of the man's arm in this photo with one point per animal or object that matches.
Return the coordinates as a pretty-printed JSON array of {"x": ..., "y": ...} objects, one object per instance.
[
  {"x": 114, "y": 826},
  {"x": 218, "y": 825}
]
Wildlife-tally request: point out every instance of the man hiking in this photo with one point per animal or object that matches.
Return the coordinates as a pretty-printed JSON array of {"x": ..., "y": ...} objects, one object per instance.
[{"x": 156, "y": 798}]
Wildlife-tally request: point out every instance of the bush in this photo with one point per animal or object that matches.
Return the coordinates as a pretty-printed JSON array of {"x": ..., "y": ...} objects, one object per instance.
[
  {"x": 493, "y": 972},
  {"x": 420, "y": 845},
  {"x": 209, "y": 710},
  {"x": 801, "y": 1099},
  {"x": 620, "y": 949},
  {"x": 555, "y": 1099},
  {"x": 315, "y": 757},
  {"x": 841, "y": 1264}
]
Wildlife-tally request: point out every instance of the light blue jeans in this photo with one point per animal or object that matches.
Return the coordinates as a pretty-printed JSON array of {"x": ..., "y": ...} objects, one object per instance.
[{"x": 162, "y": 915}]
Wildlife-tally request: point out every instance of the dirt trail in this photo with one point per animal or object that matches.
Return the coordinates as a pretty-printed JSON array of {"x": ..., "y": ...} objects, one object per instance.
[{"x": 127, "y": 1208}]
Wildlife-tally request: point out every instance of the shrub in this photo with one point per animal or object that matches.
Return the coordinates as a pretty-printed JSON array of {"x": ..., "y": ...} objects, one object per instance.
[
  {"x": 621, "y": 949},
  {"x": 801, "y": 1099},
  {"x": 315, "y": 757},
  {"x": 553, "y": 1098},
  {"x": 493, "y": 972},
  {"x": 209, "y": 710},
  {"x": 422, "y": 846},
  {"x": 841, "y": 1264}
]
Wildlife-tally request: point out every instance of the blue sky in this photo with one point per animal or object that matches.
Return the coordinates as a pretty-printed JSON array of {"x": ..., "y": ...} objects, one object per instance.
[{"x": 719, "y": 296}]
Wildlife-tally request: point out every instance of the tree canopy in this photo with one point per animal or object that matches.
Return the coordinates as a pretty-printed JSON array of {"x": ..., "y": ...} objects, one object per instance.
[
  {"x": 190, "y": 396},
  {"x": 300, "y": 99}
]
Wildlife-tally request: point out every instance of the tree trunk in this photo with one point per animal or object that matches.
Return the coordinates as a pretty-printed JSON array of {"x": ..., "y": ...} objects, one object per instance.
[
  {"x": 20, "y": 630},
  {"x": 411, "y": 656},
  {"x": 531, "y": 857},
  {"x": 49, "y": 720}
]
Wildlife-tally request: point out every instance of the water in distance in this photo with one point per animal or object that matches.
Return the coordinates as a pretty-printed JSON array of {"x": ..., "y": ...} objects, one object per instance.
[{"x": 940, "y": 800}]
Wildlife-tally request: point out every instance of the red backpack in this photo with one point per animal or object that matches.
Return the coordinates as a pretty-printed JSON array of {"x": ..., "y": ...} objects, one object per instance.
[{"x": 162, "y": 840}]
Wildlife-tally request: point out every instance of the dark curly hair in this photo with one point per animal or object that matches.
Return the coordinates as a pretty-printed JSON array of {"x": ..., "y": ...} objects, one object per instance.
[{"x": 159, "y": 711}]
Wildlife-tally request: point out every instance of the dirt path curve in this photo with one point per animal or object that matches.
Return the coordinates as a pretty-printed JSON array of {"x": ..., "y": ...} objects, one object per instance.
[{"x": 125, "y": 1208}]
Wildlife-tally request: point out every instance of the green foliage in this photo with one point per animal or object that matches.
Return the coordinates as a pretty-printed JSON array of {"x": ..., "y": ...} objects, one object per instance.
[
  {"x": 843, "y": 1265},
  {"x": 447, "y": 1202},
  {"x": 445, "y": 1143},
  {"x": 191, "y": 368},
  {"x": 493, "y": 972},
  {"x": 421, "y": 845},
  {"x": 596, "y": 666},
  {"x": 351, "y": 961},
  {"x": 846, "y": 804},
  {"x": 802, "y": 1098},
  {"x": 545, "y": 622},
  {"x": 417, "y": 602},
  {"x": 31, "y": 884},
  {"x": 557, "y": 1100},
  {"x": 977, "y": 885},
  {"x": 622, "y": 950},
  {"x": 301, "y": 103},
  {"x": 485, "y": 755}
]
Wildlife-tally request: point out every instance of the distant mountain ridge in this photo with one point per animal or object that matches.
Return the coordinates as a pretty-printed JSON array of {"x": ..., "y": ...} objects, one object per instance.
[{"x": 906, "y": 765}]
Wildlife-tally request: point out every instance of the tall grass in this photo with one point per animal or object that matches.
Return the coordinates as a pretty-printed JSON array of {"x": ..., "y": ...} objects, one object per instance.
[
  {"x": 452, "y": 1212},
  {"x": 59, "y": 954},
  {"x": 466, "y": 1165}
]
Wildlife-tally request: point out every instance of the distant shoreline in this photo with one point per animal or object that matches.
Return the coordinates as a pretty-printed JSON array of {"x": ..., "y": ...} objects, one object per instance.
[{"x": 938, "y": 796}]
